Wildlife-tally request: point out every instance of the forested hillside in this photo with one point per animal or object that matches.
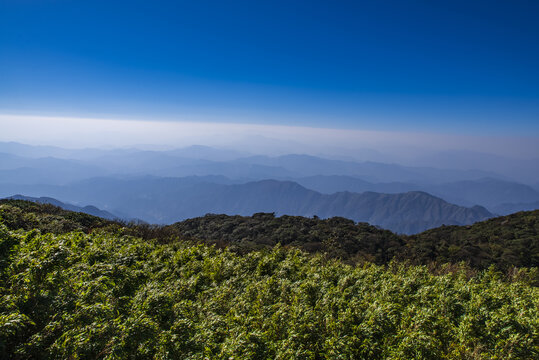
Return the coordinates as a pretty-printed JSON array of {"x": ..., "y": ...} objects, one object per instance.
[
  {"x": 47, "y": 218},
  {"x": 91, "y": 210},
  {"x": 504, "y": 242},
  {"x": 105, "y": 295}
]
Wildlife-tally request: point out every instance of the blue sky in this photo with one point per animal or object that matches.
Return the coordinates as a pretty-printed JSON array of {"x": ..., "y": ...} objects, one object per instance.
[{"x": 464, "y": 67}]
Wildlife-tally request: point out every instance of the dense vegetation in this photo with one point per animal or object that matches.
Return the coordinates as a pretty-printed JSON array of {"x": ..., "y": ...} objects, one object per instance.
[
  {"x": 504, "y": 242},
  {"x": 105, "y": 295},
  {"x": 336, "y": 237},
  {"x": 76, "y": 286},
  {"x": 27, "y": 215}
]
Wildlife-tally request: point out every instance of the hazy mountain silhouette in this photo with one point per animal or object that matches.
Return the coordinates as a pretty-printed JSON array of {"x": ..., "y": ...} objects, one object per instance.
[
  {"x": 45, "y": 170},
  {"x": 525, "y": 170},
  {"x": 510, "y": 208},
  {"x": 167, "y": 200},
  {"x": 207, "y": 153},
  {"x": 307, "y": 165},
  {"x": 486, "y": 192},
  {"x": 200, "y": 160},
  {"x": 329, "y": 184},
  {"x": 37, "y": 175}
]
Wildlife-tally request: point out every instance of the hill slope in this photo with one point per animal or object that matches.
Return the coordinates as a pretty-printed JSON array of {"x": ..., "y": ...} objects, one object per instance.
[
  {"x": 337, "y": 237},
  {"x": 89, "y": 209},
  {"x": 47, "y": 218},
  {"x": 503, "y": 242}
]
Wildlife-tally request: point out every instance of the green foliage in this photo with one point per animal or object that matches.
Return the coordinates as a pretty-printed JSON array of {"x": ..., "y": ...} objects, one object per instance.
[
  {"x": 336, "y": 237},
  {"x": 505, "y": 241},
  {"x": 113, "y": 296},
  {"x": 27, "y": 215}
]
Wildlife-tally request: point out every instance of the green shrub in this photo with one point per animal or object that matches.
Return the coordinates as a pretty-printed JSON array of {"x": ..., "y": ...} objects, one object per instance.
[{"x": 104, "y": 295}]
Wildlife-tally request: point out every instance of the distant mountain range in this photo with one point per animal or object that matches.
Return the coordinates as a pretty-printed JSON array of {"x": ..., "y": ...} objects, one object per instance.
[
  {"x": 169, "y": 185},
  {"x": 167, "y": 200},
  {"x": 510, "y": 208},
  {"x": 452, "y": 165},
  {"x": 55, "y": 165},
  {"x": 307, "y": 165},
  {"x": 487, "y": 192}
]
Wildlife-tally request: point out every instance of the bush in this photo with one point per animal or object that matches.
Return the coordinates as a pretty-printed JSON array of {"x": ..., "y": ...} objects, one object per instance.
[{"x": 104, "y": 295}]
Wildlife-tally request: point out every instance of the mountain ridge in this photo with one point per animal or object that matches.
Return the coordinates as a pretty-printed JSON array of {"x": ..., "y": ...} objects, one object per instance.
[
  {"x": 487, "y": 192},
  {"x": 168, "y": 200}
]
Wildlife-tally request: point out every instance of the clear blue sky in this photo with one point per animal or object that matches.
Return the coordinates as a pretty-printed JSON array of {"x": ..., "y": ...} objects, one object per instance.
[{"x": 440, "y": 66}]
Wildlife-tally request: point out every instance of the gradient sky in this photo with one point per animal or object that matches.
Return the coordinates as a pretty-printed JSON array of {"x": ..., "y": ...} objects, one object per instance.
[{"x": 457, "y": 67}]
